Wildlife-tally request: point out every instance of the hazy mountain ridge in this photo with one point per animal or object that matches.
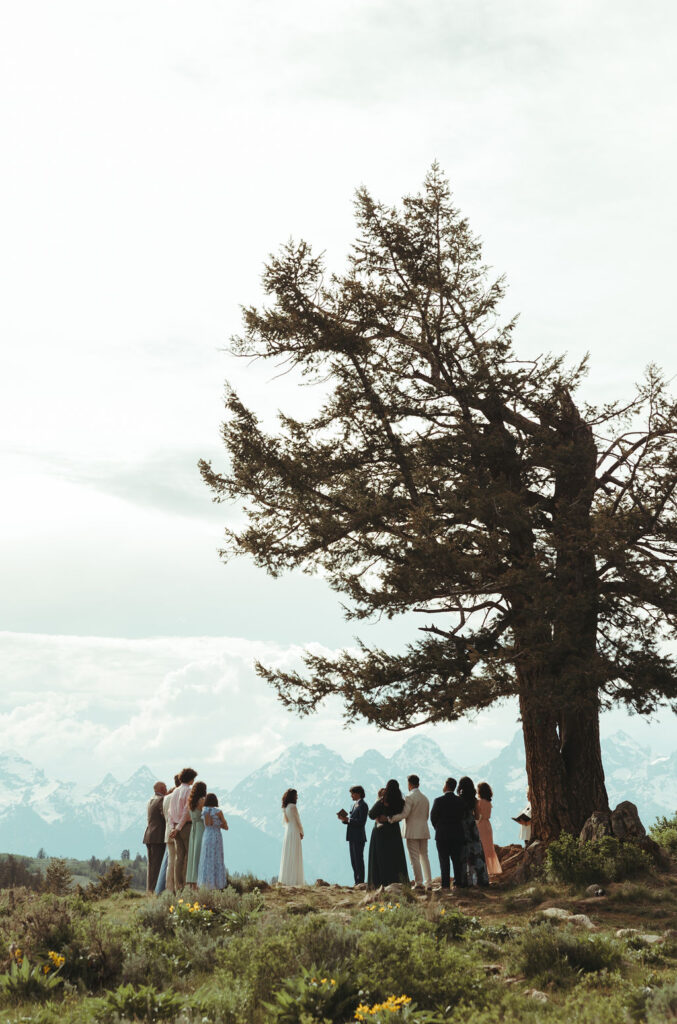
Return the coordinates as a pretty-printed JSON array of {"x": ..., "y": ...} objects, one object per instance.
[{"x": 37, "y": 811}]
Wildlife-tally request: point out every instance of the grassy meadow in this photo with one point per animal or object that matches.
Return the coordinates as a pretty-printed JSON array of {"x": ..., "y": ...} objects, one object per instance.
[{"x": 255, "y": 954}]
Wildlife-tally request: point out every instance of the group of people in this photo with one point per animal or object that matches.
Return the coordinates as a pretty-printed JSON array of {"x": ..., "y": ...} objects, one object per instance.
[
  {"x": 460, "y": 817},
  {"x": 183, "y": 836}
]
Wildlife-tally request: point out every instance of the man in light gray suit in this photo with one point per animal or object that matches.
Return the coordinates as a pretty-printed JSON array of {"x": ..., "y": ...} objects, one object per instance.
[{"x": 416, "y": 832}]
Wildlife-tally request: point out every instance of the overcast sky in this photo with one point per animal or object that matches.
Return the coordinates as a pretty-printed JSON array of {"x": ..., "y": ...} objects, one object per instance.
[{"x": 154, "y": 154}]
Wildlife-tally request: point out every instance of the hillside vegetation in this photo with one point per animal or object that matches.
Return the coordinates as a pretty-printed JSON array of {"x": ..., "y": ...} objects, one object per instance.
[{"x": 542, "y": 951}]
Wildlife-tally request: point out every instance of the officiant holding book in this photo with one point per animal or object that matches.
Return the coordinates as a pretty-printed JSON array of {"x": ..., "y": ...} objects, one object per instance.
[{"x": 356, "y": 836}]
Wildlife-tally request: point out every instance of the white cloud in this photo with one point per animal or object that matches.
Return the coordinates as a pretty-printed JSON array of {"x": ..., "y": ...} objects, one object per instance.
[{"x": 80, "y": 707}]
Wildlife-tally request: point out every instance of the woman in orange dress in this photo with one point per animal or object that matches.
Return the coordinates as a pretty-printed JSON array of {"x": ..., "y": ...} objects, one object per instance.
[{"x": 484, "y": 797}]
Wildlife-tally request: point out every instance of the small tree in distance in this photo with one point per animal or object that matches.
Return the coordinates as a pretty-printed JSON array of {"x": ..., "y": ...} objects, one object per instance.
[{"x": 536, "y": 536}]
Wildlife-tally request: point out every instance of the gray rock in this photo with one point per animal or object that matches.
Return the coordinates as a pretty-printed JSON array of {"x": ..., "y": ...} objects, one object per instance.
[
  {"x": 583, "y": 921},
  {"x": 555, "y": 913},
  {"x": 625, "y": 823},
  {"x": 625, "y": 933},
  {"x": 533, "y": 993},
  {"x": 597, "y": 826},
  {"x": 595, "y": 890},
  {"x": 396, "y": 887}
]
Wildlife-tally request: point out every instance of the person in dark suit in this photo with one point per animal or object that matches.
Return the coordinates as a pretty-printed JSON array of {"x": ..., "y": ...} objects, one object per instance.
[
  {"x": 154, "y": 836},
  {"x": 355, "y": 831},
  {"x": 446, "y": 817}
]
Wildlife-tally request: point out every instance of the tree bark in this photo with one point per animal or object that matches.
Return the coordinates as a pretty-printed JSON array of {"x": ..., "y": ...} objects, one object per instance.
[{"x": 546, "y": 772}]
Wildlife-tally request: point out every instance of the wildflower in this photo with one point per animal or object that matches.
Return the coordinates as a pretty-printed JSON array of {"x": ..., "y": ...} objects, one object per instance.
[
  {"x": 442, "y": 911},
  {"x": 171, "y": 909}
]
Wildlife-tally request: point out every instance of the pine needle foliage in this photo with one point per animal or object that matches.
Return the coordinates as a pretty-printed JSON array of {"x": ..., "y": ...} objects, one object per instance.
[{"x": 442, "y": 474}]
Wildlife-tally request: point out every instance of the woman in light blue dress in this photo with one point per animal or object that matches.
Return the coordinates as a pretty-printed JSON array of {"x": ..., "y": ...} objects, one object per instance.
[{"x": 211, "y": 872}]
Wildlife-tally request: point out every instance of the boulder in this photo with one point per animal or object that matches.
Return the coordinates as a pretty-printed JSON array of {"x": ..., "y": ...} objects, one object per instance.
[
  {"x": 532, "y": 859},
  {"x": 625, "y": 823},
  {"x": 625, "y": 933},
  {"x": 595, "y": 890},
  {"x": 395, "y": 887},
  {"x": 533, "y": 993},
  {"x": 320, "y": 882},
  {"x": 597, "y": 826},
  {"x": 583, "y": 921},
  {"x": 555, "y": 914}
]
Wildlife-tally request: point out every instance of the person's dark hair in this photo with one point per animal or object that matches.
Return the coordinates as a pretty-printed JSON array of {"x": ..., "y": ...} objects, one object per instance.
[
  {"x": 414, "y": 781},
  {"x": 211, "y": 800},
  {"x": 197, "y": 792},
  {"x": 177, "y": 781},
  {"x": 187, "y": 775},
  {"x": 290, "y": 796},
  {"x": 450, "y": 785},
  {"x": 467, "y": 792},
  {"x": 359, "y": 790},
  {"x": 484, "y": 791},
  {"x": 392, "y": 798},
  {"x": 381, "y": 792}
]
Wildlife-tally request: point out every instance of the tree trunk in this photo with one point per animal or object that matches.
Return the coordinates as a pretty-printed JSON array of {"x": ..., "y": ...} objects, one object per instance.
[
  {"x": 546, "y": 772},
  {"x": 582, "y": 756}
]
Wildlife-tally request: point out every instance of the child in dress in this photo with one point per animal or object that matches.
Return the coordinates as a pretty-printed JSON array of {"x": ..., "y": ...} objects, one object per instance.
[{"x": 211, "y": 872}]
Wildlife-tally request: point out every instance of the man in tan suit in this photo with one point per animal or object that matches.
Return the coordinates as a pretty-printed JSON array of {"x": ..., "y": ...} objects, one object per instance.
[{"x": 416, "y": 832}]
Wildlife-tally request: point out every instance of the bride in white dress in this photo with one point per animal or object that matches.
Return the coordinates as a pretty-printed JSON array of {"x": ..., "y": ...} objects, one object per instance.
[{"x": 291, "y": 865}]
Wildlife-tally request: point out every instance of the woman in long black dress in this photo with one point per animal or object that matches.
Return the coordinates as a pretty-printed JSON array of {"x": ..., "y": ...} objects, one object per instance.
[
  {"x": 474, "y": 866},
  {"x": 386, "y": 850}
]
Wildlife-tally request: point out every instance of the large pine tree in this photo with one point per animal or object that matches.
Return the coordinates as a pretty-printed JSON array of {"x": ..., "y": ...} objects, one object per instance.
[{"x": 536, "y": 536}]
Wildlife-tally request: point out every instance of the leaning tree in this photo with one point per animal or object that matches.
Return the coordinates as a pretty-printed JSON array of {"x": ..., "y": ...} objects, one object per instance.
[{"x": 535, "y": 534}]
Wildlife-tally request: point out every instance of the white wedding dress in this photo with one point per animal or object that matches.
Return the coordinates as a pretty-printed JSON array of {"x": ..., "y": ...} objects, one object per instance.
[{"x": 291, "y": 864}]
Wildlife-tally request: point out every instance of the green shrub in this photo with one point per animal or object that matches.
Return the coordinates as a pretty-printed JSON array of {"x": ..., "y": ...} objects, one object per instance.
[
  {"x": 453, "y": 924},
  {"x": 603, "y": 860},
  {"x": 24, "y": 980},
  {"x": 144, "y": 1004},
  {"x": 433, "y": 973},
  {"x": 316, "y": 993},
  {"x": 114, "y": 880},
  {"x": 58, "y": 879},
  {"x": 662, "y": 1005},
  {"x": 245, "y": 883},
  {"x": 546, "y": 953},
  {"x": 279, "y": 948},
  {"x": 664, "y": 832}
]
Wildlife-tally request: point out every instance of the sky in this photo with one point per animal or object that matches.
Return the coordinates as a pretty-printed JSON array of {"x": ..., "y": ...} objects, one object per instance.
[{"x": 155, "y": 154}]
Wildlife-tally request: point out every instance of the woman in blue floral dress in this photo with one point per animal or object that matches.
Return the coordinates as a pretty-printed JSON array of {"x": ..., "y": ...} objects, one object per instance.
[{"x": 211, "y": 872}]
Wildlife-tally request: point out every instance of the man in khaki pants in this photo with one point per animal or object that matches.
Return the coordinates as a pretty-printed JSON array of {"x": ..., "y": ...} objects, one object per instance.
[
  {"x": 416, "y": 831},
  {"x": 179, "y": 835}
]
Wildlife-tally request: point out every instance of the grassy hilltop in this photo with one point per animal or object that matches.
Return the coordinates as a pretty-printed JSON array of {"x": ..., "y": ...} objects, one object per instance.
[{"x": 541, "y": 951}]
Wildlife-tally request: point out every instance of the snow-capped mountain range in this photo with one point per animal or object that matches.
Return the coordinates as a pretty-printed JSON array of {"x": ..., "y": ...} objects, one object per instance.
[{"x": 36, "y": 811}]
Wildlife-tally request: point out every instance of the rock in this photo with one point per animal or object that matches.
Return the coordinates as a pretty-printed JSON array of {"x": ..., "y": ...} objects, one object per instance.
[
  {"x": 358, "y": 885},
  {"x": 344, "y": 903},
  {"x": 595, "y": 890},
  {"x": 625, "y": 823},
  {"x": 395, "y": 887},
  {"x": 321, "y": 881},
  {"x": 670, "y": 933},
  {"x": 492, "y": 968},
  {"x": 648, "y": 938},
  {"x": 556, "y": 914},
  {"x": 597, "y": 826},
  {"x": 583, "y": 920},
  {"x": 532, "y": 859},
  {"x": 533, "y": 993}
]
